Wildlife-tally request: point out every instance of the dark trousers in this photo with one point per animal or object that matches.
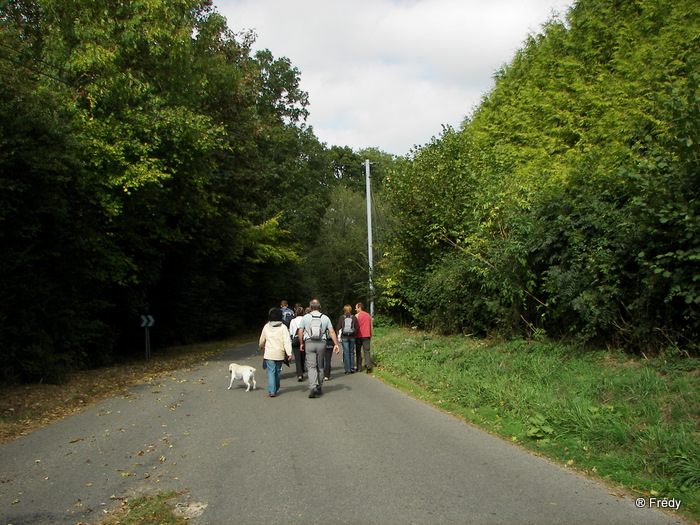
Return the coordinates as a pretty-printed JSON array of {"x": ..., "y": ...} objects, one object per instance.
[
  {"x": 358, "y": 353},
  {"x": 327, "y": 361},
  {"x": 362, "y": 344},
  {"x": 299, "y": 359}
]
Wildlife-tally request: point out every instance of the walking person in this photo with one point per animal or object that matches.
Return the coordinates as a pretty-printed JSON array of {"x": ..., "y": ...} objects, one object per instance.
[
  {"x": 327, "y": 356},
  {"x": 276, "y": 343},
  {"x": 364, "y": 334},
  {"x": 347, "y": 327},
  {"x": 328, "y": 353},
  {"x": 299, "y": 355},
  {"x": 287, "y": 313},
  {"x": 314, "y": 328}
]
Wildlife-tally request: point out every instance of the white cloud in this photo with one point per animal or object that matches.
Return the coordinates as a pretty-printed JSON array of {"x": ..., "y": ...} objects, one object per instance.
[{"x": 390, "y": 73}]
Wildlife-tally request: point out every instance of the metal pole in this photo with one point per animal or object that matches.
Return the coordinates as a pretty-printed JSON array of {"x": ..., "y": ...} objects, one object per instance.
[{"x": 369, "y": 239}]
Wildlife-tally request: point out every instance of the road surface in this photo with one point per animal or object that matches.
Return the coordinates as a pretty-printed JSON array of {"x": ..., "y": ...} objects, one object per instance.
[{"x": 363, "y": 453}]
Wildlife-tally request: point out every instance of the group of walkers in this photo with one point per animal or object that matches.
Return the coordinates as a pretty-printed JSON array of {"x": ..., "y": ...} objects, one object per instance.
[{"x": 308, "y": 337}]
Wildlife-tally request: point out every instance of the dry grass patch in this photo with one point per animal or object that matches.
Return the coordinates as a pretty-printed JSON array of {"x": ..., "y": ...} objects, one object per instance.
[{"x": 26, "y": 408}]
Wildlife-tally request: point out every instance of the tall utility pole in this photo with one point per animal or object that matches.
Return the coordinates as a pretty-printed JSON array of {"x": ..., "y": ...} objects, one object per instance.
[{"x": 369, "y": 238}]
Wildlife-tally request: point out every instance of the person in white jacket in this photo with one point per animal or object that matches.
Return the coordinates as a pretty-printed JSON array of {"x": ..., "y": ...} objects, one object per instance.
[{"x": 275, "y": 342}]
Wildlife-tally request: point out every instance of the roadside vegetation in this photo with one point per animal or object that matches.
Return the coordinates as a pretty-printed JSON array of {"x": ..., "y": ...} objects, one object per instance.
[
  {"x": 631, "y": 422},
  {"x": 567, "y": 203},
  {"x": 150, "y": 171},
  {"x": 154, "y": 163}
]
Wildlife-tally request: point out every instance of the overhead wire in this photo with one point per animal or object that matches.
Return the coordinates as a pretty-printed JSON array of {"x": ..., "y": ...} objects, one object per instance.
[{"x": 33, "y": 69}]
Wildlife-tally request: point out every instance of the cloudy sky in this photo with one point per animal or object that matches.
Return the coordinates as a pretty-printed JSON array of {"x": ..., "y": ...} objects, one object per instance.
[{"x": 390, "y": 73}]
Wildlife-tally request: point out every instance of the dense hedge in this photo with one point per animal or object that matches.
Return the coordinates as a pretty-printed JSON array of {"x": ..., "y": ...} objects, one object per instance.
[{"x": 568, "y": 202}]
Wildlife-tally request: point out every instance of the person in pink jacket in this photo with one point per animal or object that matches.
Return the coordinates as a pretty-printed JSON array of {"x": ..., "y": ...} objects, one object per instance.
[{"x": 362, "y": 338}]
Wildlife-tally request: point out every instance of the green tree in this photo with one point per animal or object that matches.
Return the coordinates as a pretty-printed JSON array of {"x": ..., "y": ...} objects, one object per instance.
[
  {"x": 138, "y": 140},
  {"x": 339, "y": 260},
  {"x": 566, "y": 195},
  {"x": 47, "y": 230}
]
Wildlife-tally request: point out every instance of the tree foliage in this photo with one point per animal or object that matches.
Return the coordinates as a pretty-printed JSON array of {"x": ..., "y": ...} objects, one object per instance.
[
  {"x": 151, "y": 163},
  {"x": 567, "y": 202},
  {"x": 337, "y": 265},
  {"x": 148, "y": 165}
]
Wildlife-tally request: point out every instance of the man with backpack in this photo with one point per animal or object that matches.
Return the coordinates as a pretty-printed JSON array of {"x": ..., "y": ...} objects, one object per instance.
[
  {"x": 312, "y": 339},
  {"x": 287, "y": 313}
]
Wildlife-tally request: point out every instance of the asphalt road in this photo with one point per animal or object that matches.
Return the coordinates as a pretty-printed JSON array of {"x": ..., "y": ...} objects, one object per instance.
[{"x": 363, "y": 453}]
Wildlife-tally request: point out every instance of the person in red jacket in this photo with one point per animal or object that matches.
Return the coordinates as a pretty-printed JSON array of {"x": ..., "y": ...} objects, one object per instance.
[{"x": 362, "y": 338}]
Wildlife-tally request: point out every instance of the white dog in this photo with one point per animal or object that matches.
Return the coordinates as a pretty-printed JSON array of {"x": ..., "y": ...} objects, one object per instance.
[{"x": 244, "y": 372}]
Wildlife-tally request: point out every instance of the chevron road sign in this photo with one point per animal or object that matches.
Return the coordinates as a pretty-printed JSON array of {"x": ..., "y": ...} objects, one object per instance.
[{"x": 147, "y": 321}]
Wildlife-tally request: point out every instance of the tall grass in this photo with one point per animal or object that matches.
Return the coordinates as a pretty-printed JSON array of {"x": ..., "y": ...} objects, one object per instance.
[{"x": 629, "y": 421}]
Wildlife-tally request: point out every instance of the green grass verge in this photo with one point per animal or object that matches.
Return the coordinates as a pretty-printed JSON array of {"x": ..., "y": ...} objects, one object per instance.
[{"x": 623, "y": 420}]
